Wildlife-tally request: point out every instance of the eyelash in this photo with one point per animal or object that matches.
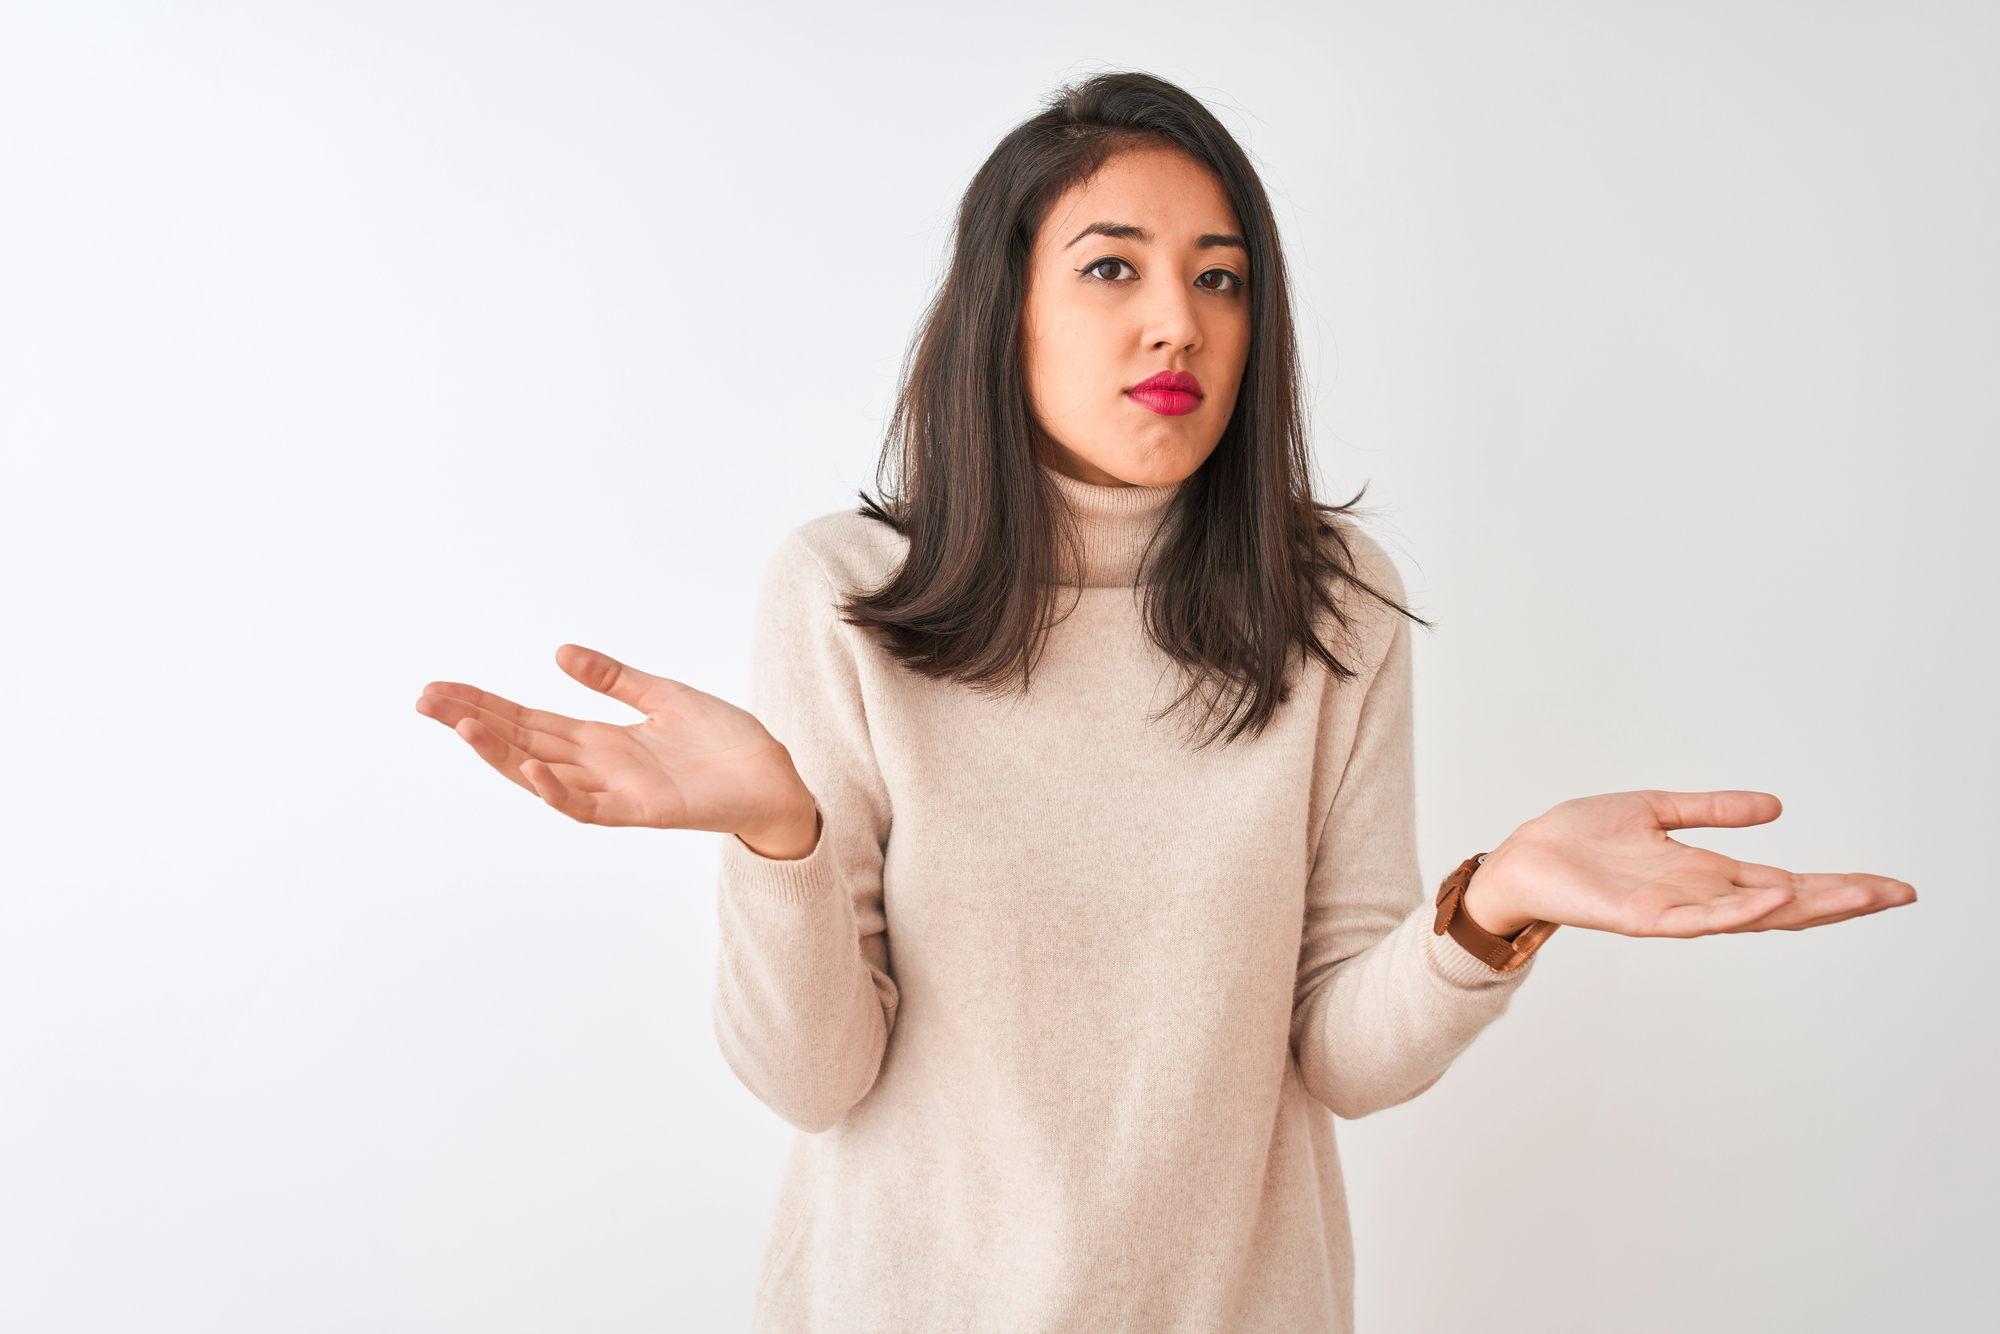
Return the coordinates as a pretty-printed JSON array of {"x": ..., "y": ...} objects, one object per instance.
[{"x": 1231, "y": 283}]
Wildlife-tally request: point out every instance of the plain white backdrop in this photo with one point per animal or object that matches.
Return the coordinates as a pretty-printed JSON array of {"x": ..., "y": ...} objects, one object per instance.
[{"x": 345, "y": 346}]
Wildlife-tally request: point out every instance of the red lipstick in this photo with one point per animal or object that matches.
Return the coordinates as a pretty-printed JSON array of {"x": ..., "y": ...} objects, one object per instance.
[{"x": 1170, "y": 393}]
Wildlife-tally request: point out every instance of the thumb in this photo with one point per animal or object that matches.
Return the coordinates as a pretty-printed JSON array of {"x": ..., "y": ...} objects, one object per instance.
[
  {"x": 1713, "y": 810},
  {"x": 608, "y": 676}
]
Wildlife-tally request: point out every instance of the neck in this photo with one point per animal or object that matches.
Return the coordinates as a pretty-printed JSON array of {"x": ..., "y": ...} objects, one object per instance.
[{"x": 1113, "y": 526}]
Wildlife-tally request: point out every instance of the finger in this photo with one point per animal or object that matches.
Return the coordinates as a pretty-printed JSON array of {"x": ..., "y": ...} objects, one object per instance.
[
  {"x": 1751, "y": 875},
  {"x": 1713, "y": 810},
  {"x": 543, "y": 781},
  {"x": 1821, "y": 900},
  {"x": 608, "y": 676},
  {"x": 555, "y": 724},
  {"x": 543, "y": 746},
  {"x": 1732, "y": 912},
  {"x": 494, "y": 751},
  {"x": 1754, "y": 875}
]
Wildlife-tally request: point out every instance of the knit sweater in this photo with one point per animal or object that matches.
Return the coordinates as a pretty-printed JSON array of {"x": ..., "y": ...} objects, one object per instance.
[{"x": 1062, "y": 1005}]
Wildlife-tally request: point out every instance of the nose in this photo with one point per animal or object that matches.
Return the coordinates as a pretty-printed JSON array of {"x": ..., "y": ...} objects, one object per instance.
[{"x": 1171, "y": 321}]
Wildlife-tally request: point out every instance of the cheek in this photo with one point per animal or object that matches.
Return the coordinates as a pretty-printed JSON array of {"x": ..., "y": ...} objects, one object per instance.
[
  {"x": 1234, "y": 344},
  {"x": 1065, "y": 355}
]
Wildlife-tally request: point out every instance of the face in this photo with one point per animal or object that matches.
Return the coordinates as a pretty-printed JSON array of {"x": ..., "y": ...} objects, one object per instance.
[{"x": 1137, "y": 322}]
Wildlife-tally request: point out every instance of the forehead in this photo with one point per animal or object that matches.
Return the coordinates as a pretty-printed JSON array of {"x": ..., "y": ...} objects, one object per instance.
[{"x": 1160, "y": 189}]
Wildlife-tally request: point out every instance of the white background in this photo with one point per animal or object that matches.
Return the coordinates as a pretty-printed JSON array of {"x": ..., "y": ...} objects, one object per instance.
[{"x": 345, "y": 346}]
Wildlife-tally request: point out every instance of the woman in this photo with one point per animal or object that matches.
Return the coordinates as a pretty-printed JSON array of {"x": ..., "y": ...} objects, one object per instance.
[{"x": 1073, "y": 884}]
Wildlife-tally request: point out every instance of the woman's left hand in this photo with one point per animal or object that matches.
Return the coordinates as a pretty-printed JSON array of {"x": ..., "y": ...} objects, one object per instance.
[{"x": 1606, "y": 863}]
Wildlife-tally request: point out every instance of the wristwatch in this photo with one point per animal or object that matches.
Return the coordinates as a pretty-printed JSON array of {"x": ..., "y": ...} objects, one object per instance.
[{"x": 1503, "y": 954}]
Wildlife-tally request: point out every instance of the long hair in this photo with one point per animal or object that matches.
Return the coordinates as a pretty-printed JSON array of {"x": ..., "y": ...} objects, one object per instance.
[{"x": 1248, "y": 575}]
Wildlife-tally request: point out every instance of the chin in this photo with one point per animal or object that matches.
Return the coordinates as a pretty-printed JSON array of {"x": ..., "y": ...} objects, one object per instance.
[
  {"x": 1159, "y": 465},
  {"x": 1156, "y": 453}
]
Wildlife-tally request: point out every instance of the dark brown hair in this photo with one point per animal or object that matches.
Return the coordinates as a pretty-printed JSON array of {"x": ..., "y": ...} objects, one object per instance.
[{"x": 1246, "y": 576}]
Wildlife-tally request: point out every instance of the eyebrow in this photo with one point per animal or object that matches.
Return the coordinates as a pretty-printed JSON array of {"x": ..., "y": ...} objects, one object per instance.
[
  {"x": 1125, "y": 231},
  {"x": 1117, "y": 231}
]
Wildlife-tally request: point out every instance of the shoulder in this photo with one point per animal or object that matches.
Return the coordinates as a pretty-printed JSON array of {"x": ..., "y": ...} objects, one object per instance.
[
  {"x": 1369, "y": 562},
  {"x": 841, "y": 553},
  {"x": 816, "y": 569},
  {"x": 1372, "y": 626}
]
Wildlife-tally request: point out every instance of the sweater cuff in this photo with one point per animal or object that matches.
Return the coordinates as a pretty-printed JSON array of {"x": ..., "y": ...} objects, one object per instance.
[
  {"x": 796, "y": 882},
  {"x": 1458, "y": 966}
]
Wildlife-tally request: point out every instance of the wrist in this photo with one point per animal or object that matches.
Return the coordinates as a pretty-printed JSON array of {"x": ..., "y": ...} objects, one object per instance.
[
  {"x": 791, "y": 834},
  {"x": 1489, "y": 900}
]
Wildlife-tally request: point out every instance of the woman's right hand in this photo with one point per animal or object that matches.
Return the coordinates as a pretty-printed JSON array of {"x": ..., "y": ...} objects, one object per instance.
[{"x": 694, "y": 762}]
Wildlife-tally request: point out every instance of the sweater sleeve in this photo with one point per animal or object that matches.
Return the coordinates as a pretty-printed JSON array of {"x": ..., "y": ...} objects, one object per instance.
[
  {"x": 1383, "y": 1006},
  {"x": 804, "y": 1000}
]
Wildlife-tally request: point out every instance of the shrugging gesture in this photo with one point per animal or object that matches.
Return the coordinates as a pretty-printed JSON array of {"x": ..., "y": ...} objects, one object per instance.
[
  {"x": 693, "y": 762},
  {"x": 1607, "y": 863}
]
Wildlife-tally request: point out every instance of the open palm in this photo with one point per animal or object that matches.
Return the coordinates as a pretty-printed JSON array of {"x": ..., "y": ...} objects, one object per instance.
[
  {"x": 1607, "y": 863},
  {"x": 693, "y": 761}
]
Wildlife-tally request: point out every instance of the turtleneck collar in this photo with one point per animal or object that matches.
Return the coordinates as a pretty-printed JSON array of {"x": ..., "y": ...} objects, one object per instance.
[{"x": 1114, "y": 525}]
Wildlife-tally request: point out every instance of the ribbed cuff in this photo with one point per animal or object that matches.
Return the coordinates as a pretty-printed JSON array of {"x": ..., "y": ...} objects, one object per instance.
[
  {"x": 796, "y": 882},
  {"x": 1455, "y": 964}
]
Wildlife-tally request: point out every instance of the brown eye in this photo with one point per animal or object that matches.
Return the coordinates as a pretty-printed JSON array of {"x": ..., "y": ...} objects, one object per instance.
[
  {"x": 1218, "y": 280},
  {"x": 1110, "y": 270}
]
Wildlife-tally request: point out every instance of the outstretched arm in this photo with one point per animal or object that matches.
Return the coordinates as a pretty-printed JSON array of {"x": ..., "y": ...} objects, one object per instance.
[
  {"x": 804, "y": 997},
  {"x": 1384, "y": 1004},
  {"x": 803, "y": 989},
  {"x": 804, "y": 1001}
]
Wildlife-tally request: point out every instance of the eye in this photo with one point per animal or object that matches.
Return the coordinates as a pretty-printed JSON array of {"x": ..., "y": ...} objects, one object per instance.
[
  {"x": 1111, "y": 270},
  {"x": 1219, "y": 280}
]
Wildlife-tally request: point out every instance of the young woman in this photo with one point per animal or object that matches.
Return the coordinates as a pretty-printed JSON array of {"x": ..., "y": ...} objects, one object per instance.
[{"x": 1072, "y": 886}]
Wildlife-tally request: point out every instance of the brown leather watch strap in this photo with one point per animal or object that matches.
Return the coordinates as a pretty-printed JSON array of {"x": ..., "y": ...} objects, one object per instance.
[{"x": 1501, "y": 954}]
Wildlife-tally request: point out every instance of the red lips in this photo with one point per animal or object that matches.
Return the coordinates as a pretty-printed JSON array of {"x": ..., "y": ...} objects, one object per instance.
[{"x": 1170, "y": 393}]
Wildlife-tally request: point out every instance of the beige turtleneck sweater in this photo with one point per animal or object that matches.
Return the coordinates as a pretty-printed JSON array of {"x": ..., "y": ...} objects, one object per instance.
[{"x": 1062, "y": 1007}]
